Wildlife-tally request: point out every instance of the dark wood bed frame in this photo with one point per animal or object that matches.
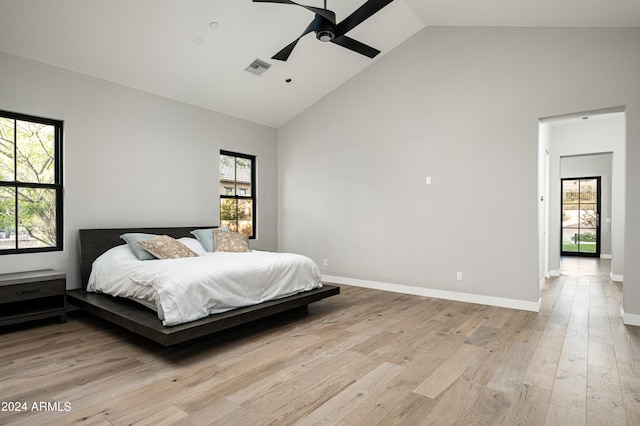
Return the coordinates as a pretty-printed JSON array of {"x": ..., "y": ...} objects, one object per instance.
[{"x": 144, "y": 321}]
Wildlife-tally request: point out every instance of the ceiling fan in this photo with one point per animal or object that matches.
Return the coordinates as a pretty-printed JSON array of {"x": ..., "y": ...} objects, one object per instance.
[{"x": 326, "y": 29}]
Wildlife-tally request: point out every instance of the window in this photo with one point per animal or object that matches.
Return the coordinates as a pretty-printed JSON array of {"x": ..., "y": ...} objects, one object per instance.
[
  {"x": 30, "y": 184},
  {"x": 238, "y": 192}
]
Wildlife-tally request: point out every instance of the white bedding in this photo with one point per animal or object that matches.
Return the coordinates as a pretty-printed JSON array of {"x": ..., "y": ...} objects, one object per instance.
[{"x": 188, "y": 289}]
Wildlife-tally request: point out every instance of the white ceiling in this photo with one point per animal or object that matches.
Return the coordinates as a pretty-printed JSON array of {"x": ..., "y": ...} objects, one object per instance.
[{"x": 169, "y": 48}]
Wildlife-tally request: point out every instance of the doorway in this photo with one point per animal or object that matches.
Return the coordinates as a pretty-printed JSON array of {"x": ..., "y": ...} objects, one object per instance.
[
  {"x": 595, "y": 135},
  {"x": 581, "y": 205}
]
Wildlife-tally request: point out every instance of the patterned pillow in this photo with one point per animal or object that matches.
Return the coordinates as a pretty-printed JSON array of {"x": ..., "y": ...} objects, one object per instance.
[
  {"x": 165, "y": 247},
  {"x": 205, "y": 237},
  {"x": 230, "y": 241}
]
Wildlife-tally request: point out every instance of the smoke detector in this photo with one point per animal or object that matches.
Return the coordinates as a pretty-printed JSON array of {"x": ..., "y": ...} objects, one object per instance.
[{"x": 258, "y": 67}]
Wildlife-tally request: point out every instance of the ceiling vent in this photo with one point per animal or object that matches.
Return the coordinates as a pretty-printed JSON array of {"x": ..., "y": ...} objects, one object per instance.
[{"x": 257, "y": 67}]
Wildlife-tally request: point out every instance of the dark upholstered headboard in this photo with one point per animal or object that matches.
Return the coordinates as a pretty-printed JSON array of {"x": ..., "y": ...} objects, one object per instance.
[{"x": 94, "y": 242}]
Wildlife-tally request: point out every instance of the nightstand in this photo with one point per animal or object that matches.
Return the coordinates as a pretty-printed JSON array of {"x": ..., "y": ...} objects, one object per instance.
[{"x": 27, "y": 296}]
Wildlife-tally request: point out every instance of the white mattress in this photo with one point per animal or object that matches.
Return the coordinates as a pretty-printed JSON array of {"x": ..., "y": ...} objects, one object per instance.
[{"x": 188, "y": 289}]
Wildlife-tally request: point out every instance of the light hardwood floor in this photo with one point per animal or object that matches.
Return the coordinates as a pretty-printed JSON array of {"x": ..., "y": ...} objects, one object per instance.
[{"x": 365, "y": 357}]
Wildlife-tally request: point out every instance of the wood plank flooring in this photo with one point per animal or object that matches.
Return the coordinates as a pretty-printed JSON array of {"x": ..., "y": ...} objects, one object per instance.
[{"x": 365, "y": 357}]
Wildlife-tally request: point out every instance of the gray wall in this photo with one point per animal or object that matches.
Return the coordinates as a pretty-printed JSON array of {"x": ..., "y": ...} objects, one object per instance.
[
  {"x": 460, "y": 105},
  {"x": 134, "y": 159}
]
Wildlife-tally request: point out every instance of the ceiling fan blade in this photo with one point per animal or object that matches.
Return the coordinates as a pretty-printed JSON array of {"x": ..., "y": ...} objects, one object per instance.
[
  {"x": 327, "y": 14},
  {"x": 356, "y": 46},
  {"x": 283, "y": 55},
  {"x": 360, "y": 15}
]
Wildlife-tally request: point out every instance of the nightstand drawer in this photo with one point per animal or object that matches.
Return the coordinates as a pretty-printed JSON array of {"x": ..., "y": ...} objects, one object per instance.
[
  {"x": 35, "y": 290},
  {"x": 32, "y": 295}
]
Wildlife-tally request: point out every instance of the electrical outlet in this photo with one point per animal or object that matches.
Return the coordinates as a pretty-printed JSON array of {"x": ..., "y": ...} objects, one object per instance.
[
  {"x": 325, "y": 262},
  {"x": 459, "y": 276}
]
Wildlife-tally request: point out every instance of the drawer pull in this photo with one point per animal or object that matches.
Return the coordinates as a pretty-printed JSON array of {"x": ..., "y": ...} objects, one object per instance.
[{"x": 37, "y": 290}]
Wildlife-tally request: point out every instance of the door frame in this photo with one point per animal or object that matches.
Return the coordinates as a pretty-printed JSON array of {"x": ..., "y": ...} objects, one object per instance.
[{"x": 598, "y": 225}]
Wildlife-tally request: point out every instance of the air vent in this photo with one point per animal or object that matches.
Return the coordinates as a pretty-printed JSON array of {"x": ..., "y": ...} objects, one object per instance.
[{"x": 257, "y": 67}]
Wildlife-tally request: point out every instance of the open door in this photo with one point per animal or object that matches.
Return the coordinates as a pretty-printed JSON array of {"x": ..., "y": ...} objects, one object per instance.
[{"x": 581, "y": 217}]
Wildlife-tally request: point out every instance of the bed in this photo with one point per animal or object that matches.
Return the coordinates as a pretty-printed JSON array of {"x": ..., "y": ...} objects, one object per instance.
[{"x": 144, "y": 321}]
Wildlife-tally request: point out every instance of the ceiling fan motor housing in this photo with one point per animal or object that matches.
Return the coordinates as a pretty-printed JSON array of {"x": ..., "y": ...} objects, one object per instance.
[{"x": 325, "y": 29}]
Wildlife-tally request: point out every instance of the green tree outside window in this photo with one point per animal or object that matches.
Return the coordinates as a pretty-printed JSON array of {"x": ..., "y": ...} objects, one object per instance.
[{"x": 30, "y": 183}]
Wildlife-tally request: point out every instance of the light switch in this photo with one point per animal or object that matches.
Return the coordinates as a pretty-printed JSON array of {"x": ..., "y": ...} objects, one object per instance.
[{"x": 428, "y": 180}]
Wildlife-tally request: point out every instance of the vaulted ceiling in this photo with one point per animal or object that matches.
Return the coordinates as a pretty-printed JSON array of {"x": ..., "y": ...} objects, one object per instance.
[{"x": 196, "y": 51}]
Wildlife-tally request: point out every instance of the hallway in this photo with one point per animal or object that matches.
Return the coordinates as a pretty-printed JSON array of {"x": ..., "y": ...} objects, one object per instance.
[
  {"x": 598, "y": 363},
  {"x": 585, "y": 266}
]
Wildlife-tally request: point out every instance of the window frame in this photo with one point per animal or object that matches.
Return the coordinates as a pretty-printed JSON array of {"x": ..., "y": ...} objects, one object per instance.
[
  {"x": 57, "y": 185},
  {"x": 252, "y": 196}
]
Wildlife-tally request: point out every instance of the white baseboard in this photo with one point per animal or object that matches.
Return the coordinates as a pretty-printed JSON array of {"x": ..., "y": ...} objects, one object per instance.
[
  {"x": 522, "y": 305},
  {"x": 554, "y": 273},
  {"x": 605, "y": 256},
  {"x": 629, "y": 319},
  {"x": 616, "y": 278}
]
